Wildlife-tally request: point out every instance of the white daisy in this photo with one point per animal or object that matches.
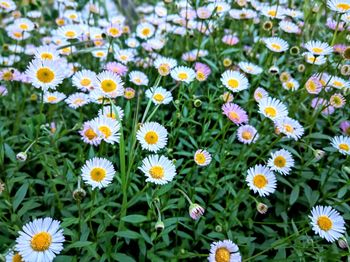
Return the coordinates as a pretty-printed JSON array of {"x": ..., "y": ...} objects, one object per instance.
[
  {"x": 234, "y": 81},
  {"x": 98, "y": 172},
  {"x": 315, "y": 60},
  {"x": 340, "y": 6},
  {"x": 108, "y": 129},
  {"x": 224, "y": 251},
  {"x": 47, "y": 52},
  {"x": 281, "y": 161},
  {"x": 45, "y": 74},
  {"x": 247, "y": 134},
  {"x": 90, "y": 133},
  {"x": 109, "y": 112},
  {"x": 145, "y": 30},
  {"x": 124, "y": 55},
  {"x": 40, "y": 240},
  {"x": 260, "y": 93},
  {"x": 158, "y": 169},
  {"x": 70, "y": 31},
  {"x": 84, "y": 79},
  {"x": 110, "y": 84},
  {"x": 24, "y": 24},
  {"x": 276, "y": 44},
  {"x": 342, "y": 144},
  {"x": 202, "y": 157},
  {"x": 7, "y": 5},
  {"x": 152, "y": 136},
  {"x": 261, "y": 180},
  {"x": 291, "y": 84},
  {"x": 183, "y": 74},
  {"x": 318, "y": 48},
  {"x": 339, "y": 83},
  {"x": 272, "y": 108},
  {"x": 250, "y": 68},
  {"x": 13, "y": 256},
  {"x": 138, "y": 78},
  {"x": 289, "y": 27},
  {"x": 164, "y": 65},
  {"x": 290, "y": 127},
  {"x": 159, "y": 95},
  {"x": 327, "y": 222},
  {"x": 77, "y": 100},
  {"x": 273, "y": 11},
  {"x": 53, "y": 97}
]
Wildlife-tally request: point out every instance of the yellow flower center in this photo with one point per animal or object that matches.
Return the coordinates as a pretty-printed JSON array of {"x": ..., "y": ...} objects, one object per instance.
[
  {"x": 90, "y": 134},
  {"x": 85, "y": 82},
  {"x": 200, "y": 158},
  {"x": 51, "y": 98},
  {"x": 336, "y": 101},
  {"x": 272, "y": 13},
  {"x": 317, "y": 50},
  {"x": 233, "y": 83},
  {"x": 100, "y": 54},
  {"x": 270, "y": 111},
  {"x": 247, "y": 135},
  {"x": 60, "y": 21},
  {"x": 46, "y": 56},
  {"x": 70, "y": 34},
  {"x": 344, "y": 147},
  {"x": 17, "y": 34},
  {"x": 5, "y": 4},
  {"x": 311, "y": 85},
  {"x": 45, "y": 75},
  {"x": 17, "y": 258},
  {"x": 41, "y": 241},
  {"x": 280, "y": 161},
  {"x": 73, "y": 16},
  {"x": 106, "y": 131},
  {"x": 276, "y": 46},
  {"x": 146, "y": 31},
  {"x": 23, "y": 26},
  {"x": 123, "y": 57},
  {"x": 324, "y": 223},
  {"x": 151, "y": 137},
  {"x": 114, "y": 31},
  {"x": 222, "y": 254},
  {"x": 289, "y": 128},
  {"x": 200, "y": 76},
  {"x": 98, "y": 174},
  {"x": 7, "y": 75},
  {"x": 338, "y": 84},
  {"x": 78, "y": 101},
  {"x": 157, "y": 172},
  {"x": 164, "y": 69},
  {"x": 343, "y": 6},
  {"x": 108, "y": 85},
  {"x": 182, "y": 76},
  {"x": 289, "y": 85},
  {"x": 234, "y": 116},
  {"x": 259, "y": 181},
  {"x": 158, "y": 97}
]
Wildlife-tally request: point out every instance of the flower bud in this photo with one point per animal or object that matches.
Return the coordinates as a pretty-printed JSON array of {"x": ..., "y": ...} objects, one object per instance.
[
  {"x": 79, "y": 194},
  {"x": 159, "y": 225},
  {"x": 346, "y": 53},
  {"x": 294, "y": 50},
  {"x": 197, "y": 103},
  {"x": 218, "y": 228},
  {"x": 227, "y": 62},
  {"x": 345, "y": 70},
  {"x": 195, "y": 211},
  {"x": 319, "y": 154},
  {"x": 267, "y": 26},
  {"x": 343, "y": 243},
  {"x": 21, "y": 156},
  {"x": 262, "y": 208},
  {"x": 33, "y": 97},
  {"x": 301, "y": 68},
  {"x": 274, "y": 70},
  {"x": 2, "y": 187}
]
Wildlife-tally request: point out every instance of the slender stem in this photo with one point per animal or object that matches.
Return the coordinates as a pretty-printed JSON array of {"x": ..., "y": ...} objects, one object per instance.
[{"x": 185, "y": 195}]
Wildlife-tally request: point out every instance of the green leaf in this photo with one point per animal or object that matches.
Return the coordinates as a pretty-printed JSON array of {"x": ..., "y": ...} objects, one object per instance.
[
  {"x": 79, "y": 244},
  {"x": 134, "y": 218},
  {"x": 294, "y": 195},
  {"x": 21, "y": 193},
  {"x": 124, "y": 258},
  {"x": 128, "y": 234}
]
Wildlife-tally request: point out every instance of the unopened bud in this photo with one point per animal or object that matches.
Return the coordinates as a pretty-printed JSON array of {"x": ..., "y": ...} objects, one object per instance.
[
  {"x": 262, "y": 208},
  {"x": 196, "y": 211},
  {"x": 274, "y": 70},
  {"x": 319, "y": 154},
  {"x": 21, "y": 156},
  {"x": 159, "y": 225},
  {"x": 197, "y": 103},
  {"x": 79, "y": 194},
  {"x": 343, "y": 243},
  {"x": 218, "y": 228}
]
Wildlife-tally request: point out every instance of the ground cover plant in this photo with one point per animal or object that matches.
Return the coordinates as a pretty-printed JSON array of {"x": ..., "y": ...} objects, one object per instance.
[{"x": 174, "y": 130}]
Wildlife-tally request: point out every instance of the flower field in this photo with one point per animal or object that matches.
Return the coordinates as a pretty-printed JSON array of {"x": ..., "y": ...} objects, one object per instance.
[{"x": 174, "y": 130}]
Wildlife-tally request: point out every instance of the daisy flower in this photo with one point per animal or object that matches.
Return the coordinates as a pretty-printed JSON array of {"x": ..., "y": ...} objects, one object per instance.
[
  {"x": 110, "y": 84},
  {"x": 202, "y": 71},
  {"x": 24, "y": 24},
  {"x": 7, "y": 5},
  {"x": 313, "y": 85},
  {"x": 77, "y": 100},
  {"x": 273, "y": 11},
  {"x": 290, "y": 127},
  {"x": 250, "y": 68},
  {"x": 17, "y": 34},
  {"x": 183, "y": 74},
  {"x": 40, "y": 240},
  {"x": 109, "y": 112},
  {"x": 13, "y": 256},
  {"x": 272, "y": 108},
  {"x": 70, "y": 31},
  {"x": 101, "y": 53},
  {"x": 108, "y": 129},
  {"x": 230, "y": 39},
  {"x": 318, "y": 48},
  {"x": 84, "y": 80},
  {"x": 227, "y": 97},
  {"x": 260, "y": 93},
  {"x": 315, "y": 60},
  {"x": 159, "y": 95},
  {"x": 344, "y": 126},
  {"x": 45, "y": 74},
  {"x": 117, "y": 68},
  {"x": 222, "y": 251},
  {"x": 261, "y": 180},
  {"x": 339, "y": 83},
  {"x": 241, "y": 14},
  {"x": 281, "y": 161},
  {"x": 90, "y": 133},
  {"x": 145, "y": 30},
  {"x": 138, "y": 78},
  {"x": 234, "y": 81},
  {"x": 152, "y": 136},
  {"x": 114, "y": 30},
  {"x": 276, "y": 44},
  {"x": 97, "y": 172},
  {"x": 337, "y": 100},
  {"x": 291, "y": 84},
  {"x": 202, "y": 157},
  {"x": 235, "y": 113},
  {"x": 247, "y": 134},
  {"x": 340, "y": 6},
  {"x": 53, "y": 97},
  {"x": 164, "y": 65},
  {"x": 47, "y": 52},
  {"x": 327, "y": 223},
  {"x": 158, "y": 169},
  {"x": 342, "y": 144},
  {"x": 129, "y": 93},
  {"x": 124, "y": 55},
  {"x": 289, "y": 27}
]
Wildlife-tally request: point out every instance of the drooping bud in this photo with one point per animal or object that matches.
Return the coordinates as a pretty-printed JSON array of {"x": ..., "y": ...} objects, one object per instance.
[
  {"x": 21, "y": 156},
  {"x": 195, "y": 211},
  {"x": 262, "y": 208}
]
